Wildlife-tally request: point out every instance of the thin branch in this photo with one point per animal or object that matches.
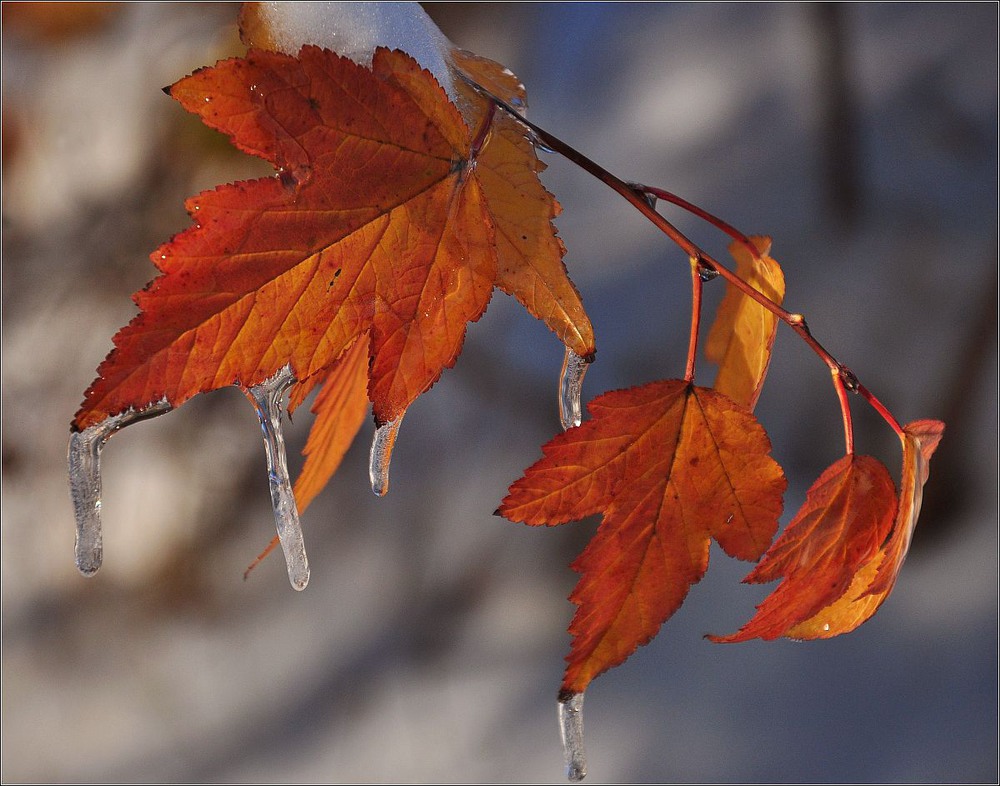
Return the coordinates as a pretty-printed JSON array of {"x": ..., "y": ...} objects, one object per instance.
[{"x": 636, "y": 196}]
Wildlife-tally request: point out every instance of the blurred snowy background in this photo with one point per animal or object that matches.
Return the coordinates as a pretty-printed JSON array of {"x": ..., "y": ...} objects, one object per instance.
[{"x": 429, "y": 643}]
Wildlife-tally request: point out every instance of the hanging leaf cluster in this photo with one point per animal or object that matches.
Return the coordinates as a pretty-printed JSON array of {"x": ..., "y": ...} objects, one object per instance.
[{"x": 394, "y": 213}]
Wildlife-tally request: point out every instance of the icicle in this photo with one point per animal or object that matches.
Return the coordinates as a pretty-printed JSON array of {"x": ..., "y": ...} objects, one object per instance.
[
  {"x": 85, "y": 482},
  {"x": 571, "y": 730},
  {"x": 570, "y": 388},
  {"x": 266, "y": 398},
  {"x": 381, "y": 454}
]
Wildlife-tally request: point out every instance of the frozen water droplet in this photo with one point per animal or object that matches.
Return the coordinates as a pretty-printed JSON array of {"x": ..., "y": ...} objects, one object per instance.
[
  {"x": 85, "y": 482},
  {"x": 266, "y": 398},
  {"x": 296, "y": 177},
  {"x": 706, "y": 274},
  {"x": 539, "y": 145},
  {"x": 571, "y": 388},
  {"x": 571, "y": 731},
  {"x": 649, "y": 198},
  {"x": 381, "y": 454}
]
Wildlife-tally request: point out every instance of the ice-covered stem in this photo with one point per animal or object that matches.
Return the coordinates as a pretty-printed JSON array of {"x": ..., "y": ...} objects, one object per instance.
[{"x": 637, "y": 197}]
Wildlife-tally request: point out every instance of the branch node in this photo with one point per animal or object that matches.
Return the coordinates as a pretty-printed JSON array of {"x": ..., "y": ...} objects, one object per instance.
[{"x": 848, "y": 377}]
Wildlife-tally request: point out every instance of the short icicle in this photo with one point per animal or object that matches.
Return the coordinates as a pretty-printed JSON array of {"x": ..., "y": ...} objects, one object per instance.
[
  {"x": 267, "y": 400},
  {"x": 571, "y": 729},
  {"x": 571, "y": 388},
  {"x": 381, "y": 455},
  {"x": 85, "y": 482}
]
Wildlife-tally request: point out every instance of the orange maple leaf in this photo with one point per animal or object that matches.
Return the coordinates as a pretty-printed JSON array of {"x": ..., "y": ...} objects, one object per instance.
[
  {"x": 340, "y": 410},
  {"x": 670, "y": 466},
  {"x": 390, "y": 218},
  {"x": 841, "y": 554},
  {"x": 742, "y": 335},
  {"x": 847, "y": 515},
  {"x": 875, "y": 579}
]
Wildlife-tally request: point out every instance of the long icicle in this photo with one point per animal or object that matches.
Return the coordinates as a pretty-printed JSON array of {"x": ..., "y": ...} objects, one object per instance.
[
  {"x": 84, "y": 458},
  {"x": 267, "y": 400},
  {"x": 571, "y": 730}
]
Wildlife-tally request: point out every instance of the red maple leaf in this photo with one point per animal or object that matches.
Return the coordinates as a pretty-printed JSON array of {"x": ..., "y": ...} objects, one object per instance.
[
  {"x": 391, "y": 219},
  {"x": 841, "y": 554},
  {"x": 670, "y": 466}
]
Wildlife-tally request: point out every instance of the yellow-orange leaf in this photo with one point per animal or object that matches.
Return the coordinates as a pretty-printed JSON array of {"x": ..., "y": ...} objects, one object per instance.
[
  {"x": 670, "y": 466},
  {"x": 743, "y": 332},
  {"x": 340, "y": 410},
  {"x": 384, "y": 221},
  {"x": 847, "y": 515},
  {"x": 876, "y": 578}
]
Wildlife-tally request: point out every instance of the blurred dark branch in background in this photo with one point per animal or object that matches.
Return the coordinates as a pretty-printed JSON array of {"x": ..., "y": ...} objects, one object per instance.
[{"x": 838, "y": 124}]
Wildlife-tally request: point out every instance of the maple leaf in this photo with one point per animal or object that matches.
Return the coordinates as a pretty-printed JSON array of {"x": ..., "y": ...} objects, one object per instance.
[
  {"x": 386, "y": 221},
  {"x": 847, "y": 515},
  {"x": 841, "y": 554},
  {"x": 340, "y": 410},
  {"x": 743, "y": 332},
  {"x": 670, "y": 466}
]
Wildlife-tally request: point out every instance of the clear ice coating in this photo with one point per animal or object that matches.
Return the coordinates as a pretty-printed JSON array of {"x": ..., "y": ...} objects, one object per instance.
[
  {"x": 267, "y": 398},
  {"x": 571, "y": 730},
  {"x": 571, "y": 388},
  {"x": 381, "y": 455},
  {"x": 85, "y": 482},
  {"x": 538, "y": 144}
]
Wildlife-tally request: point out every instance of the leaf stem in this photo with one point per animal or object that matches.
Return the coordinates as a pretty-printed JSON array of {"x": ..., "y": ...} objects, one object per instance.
[
  {"x": 845, "y": 410},
  {"x": 704, "y": 215},
  {"x": 636, "y": 195},
  {"x": 696, "y": 291},
  {"x": 262, "y": 556}
]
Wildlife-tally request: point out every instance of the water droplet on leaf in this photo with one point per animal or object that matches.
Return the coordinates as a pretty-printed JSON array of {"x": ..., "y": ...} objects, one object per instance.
[
  {"x": 381, "y": 454},
  {"x": 85, "y": 482},
  {"x": 571, "y": 731},
  {"x": 570, "y": 388},
  {"x": 266, "y": 398}
]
